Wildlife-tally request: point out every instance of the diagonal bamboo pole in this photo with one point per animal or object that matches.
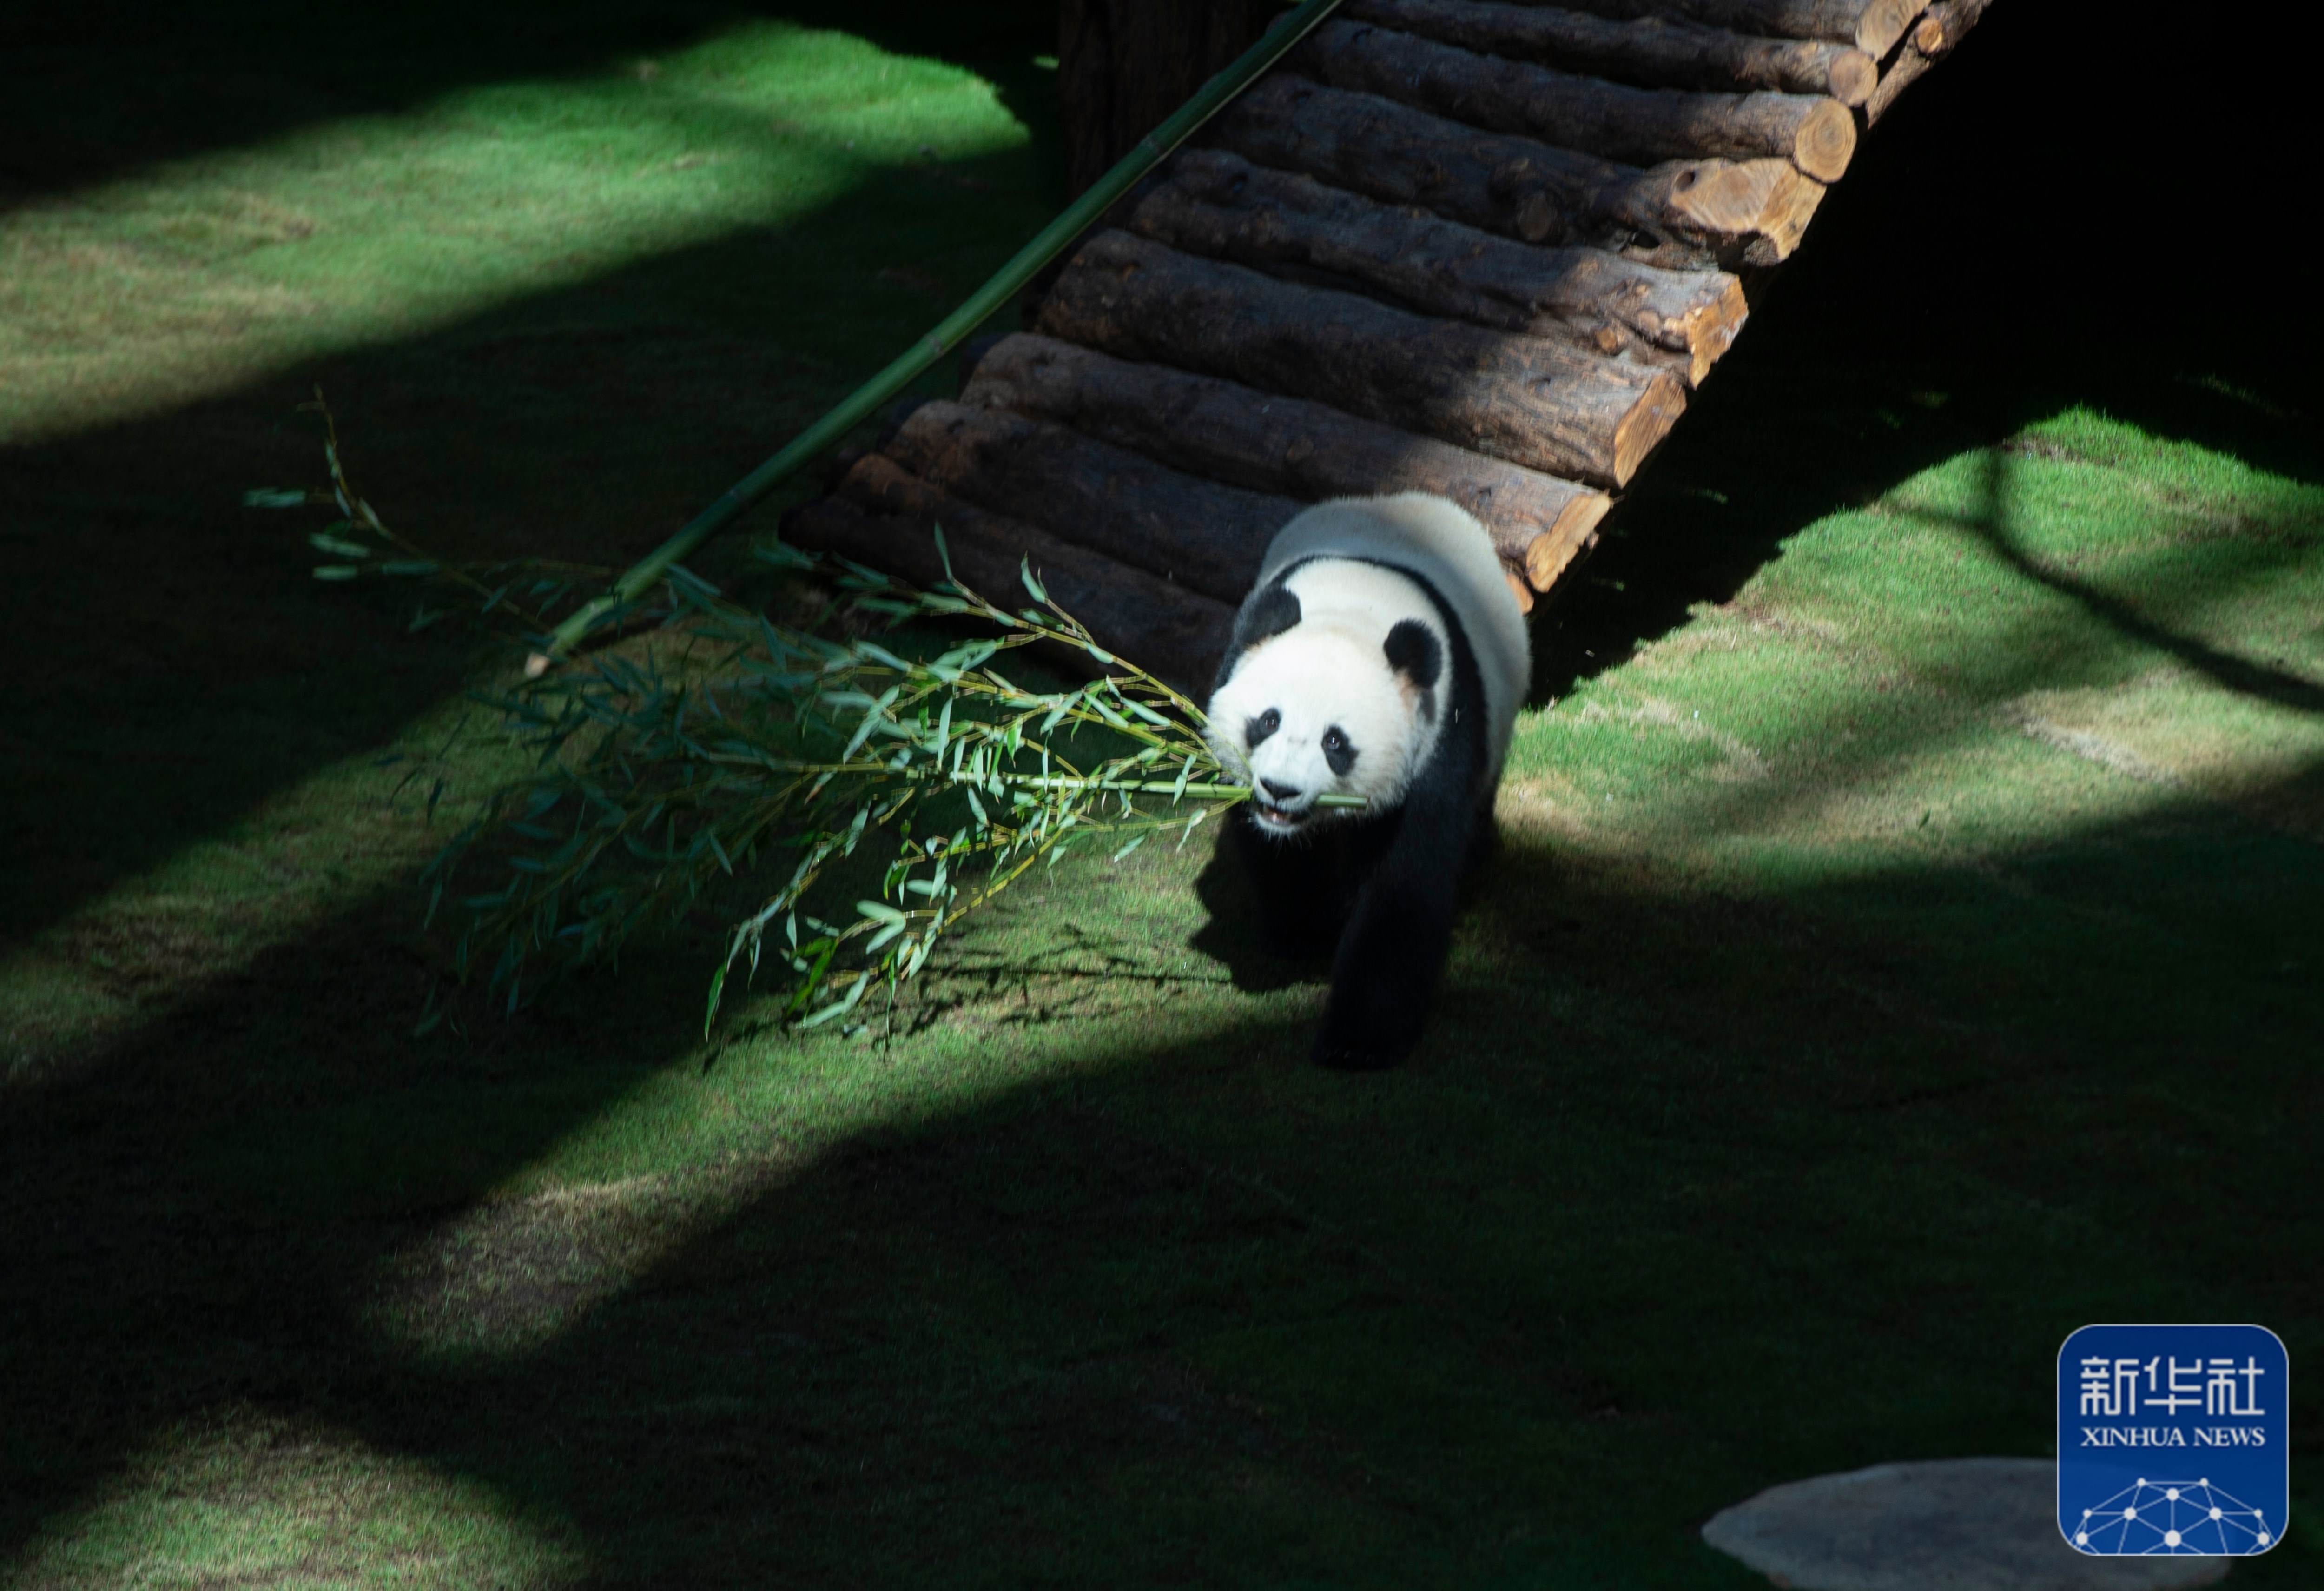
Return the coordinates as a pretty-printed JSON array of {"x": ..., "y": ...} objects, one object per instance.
[{"x": 1052, "y": 241}]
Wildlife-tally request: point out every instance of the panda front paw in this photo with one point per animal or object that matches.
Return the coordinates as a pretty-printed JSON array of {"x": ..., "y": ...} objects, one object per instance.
[{"x": 1350, "y": 1055}]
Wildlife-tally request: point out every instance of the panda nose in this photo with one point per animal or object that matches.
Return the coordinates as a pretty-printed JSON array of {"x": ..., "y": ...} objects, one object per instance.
[{"x": 1281, "y": 792}]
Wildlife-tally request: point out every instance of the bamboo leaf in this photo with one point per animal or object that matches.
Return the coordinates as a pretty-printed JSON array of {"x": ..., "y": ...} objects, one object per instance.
[
  {"x": 843, "y": 1005},
  {"x": 872, "y": 716},
  {"x": 1025, "y": 570},
  {"x": 718, "y": 987},
  {"x": 784, "y": 556},
  {"x": 687, "y": 581}
]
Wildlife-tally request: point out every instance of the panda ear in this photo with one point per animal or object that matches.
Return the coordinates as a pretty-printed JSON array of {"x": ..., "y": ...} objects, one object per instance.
[
  {"x": 1413, "y": 651},
  {"x": 1269, "y": 614}
]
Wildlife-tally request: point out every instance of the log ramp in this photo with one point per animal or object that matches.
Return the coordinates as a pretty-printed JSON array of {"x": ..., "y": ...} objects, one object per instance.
[{"x": 1463, "y": 246}]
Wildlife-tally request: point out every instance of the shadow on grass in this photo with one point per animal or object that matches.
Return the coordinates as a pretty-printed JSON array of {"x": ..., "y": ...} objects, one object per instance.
[
  {"x": 174, "y": 665},
  {"x": 2224, "y": 669},
  {"x": 1685, "y": 1194},
  {"x": 1688, "y": 1192}
]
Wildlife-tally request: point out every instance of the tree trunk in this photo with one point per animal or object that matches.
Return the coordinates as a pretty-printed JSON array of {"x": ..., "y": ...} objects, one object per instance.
[
  {"x": 1284, "y": 446},
  {"x": 1536, "y": 402},
  {"x": 880, "y": 515},
  {"x": 1653, "y": 50},
  {"x": 1217, "y": 204},
  {"x": 1189, "y": 530},
  {"x": 1873, "y": 26},
  {"x": 1124, "y": 65},
  {"x": 1688, "y": 213},
  {"x": 1636, "y": 125}
]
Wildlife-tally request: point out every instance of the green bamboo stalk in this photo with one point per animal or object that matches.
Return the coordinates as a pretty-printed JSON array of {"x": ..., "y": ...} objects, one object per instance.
[
  {"x": 1052, "y": 241},
  {"x": 1151, "y": 787}
]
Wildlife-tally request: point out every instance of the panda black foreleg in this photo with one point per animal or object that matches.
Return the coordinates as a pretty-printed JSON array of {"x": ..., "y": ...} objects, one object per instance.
[
  {"x": 1298, "y": 889},
  {"x": 1395, "y": 942}
]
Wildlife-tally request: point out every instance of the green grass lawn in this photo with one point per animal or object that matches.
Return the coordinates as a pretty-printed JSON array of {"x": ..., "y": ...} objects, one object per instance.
[{"x": 1905, "y": 947}]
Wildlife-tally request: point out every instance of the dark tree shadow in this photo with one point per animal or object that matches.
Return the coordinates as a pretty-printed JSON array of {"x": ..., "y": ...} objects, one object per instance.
[{"x": 1639, "y": 1104}]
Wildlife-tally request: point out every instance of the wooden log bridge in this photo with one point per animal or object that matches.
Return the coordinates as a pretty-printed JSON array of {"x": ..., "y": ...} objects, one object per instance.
[{"x": 1473, "y": 247}]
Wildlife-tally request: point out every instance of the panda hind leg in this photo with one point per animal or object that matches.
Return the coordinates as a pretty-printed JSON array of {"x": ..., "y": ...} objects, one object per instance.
[{"x": 1484, "y": 845}]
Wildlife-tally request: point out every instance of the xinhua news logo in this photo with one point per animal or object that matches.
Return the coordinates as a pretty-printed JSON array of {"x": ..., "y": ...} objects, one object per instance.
[{"x": 2171, "y": 1440}]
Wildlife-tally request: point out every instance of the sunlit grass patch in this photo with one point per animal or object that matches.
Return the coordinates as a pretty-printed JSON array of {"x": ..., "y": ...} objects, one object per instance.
[
  {"x": 249, "y": 1497},
  {"x": 187, "y": 280},
  {"x": 2006, "y": 650},
  {"x": 356, "y": 828}
]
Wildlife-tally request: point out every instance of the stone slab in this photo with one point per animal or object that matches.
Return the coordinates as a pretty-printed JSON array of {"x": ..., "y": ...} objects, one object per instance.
[{"x": 1955, "y": 1524}]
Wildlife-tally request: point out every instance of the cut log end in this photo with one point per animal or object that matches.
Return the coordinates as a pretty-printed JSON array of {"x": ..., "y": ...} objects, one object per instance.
[
  {"x": 1766, "y": 197},
  {"x": 1648, "y": 421},
  {"x": 1883, "y": 23},
  {"x": 1826, "y": 141},
  {"x": 1519, "y": 589},
  {"x": 1854, "y": 74},
  {"x": 1936, "y": 34},
  {"x": 1549, "y": 553},
  {"x": 1550, "y": 557},
  {"x": 1712, "y": 330}
]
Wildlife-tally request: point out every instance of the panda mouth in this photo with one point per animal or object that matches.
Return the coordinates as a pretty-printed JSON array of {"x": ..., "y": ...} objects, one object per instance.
[{"x": 1281, "y": 819}]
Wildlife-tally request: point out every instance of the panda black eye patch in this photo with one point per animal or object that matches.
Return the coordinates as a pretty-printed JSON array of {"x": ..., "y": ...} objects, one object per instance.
[
  {"x": 1255, "y": 730},
  {"x": 1339, "y": 752}
]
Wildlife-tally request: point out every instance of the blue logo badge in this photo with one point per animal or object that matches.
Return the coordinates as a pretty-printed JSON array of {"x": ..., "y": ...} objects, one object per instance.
[{"x": 2171, "y": 1439}]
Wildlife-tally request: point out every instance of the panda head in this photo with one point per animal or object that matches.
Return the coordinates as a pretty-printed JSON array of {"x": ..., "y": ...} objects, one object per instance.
[{"x": 1326, "y": 708}]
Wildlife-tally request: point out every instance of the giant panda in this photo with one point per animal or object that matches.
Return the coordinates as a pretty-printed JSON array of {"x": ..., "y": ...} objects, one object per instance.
[{"x": 1382, "y": 654}]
